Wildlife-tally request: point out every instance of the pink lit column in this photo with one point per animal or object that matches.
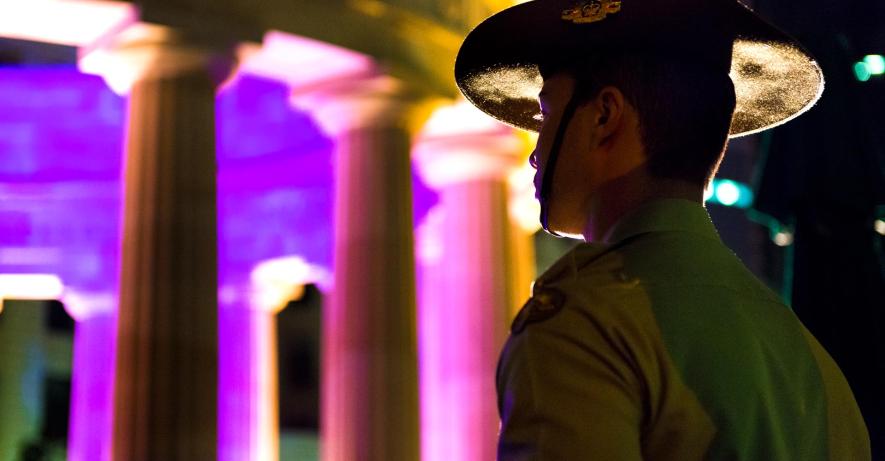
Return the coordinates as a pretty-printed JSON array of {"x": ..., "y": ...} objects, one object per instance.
[
  {"x": 369, "y": 394},
  {"x": 166, "y": 366},
  {"x": 473, "y": 274}
]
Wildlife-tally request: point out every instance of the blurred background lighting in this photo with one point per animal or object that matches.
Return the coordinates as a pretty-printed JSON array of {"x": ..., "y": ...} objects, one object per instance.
[
  {"x": 281, "y": 280},
  {"x": 729, "y": 193},
  {"x": 30, "y": 286},
  {"x": 783, "y": 239},
  {"x": 63, "y": 22},
  {"x": 708, "y": 192},
  {"x": 862, "y": 72},
  {"x": 875, "y": 64},
  {"x": 524, "y": 208},
  {"x": 879, "y": 225}
]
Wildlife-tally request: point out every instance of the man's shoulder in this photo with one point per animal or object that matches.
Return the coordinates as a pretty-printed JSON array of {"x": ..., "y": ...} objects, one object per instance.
[
  {"x": 589, "y": 282},
  {"x": 626, "y": 281}
]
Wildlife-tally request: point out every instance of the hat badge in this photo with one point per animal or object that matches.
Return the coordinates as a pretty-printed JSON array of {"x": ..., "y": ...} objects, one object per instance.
[{"x": 590, "y": 11}]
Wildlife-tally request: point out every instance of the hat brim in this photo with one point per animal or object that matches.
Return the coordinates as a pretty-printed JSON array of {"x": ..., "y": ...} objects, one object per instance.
[{"x": 497, "y": 68}]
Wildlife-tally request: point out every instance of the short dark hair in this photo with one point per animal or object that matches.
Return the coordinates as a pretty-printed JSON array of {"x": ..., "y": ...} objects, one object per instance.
[{"x": 684, "y": 108}]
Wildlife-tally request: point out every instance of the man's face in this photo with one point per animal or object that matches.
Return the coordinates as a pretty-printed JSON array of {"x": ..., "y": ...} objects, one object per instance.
[{"x": 573, "y": 175}]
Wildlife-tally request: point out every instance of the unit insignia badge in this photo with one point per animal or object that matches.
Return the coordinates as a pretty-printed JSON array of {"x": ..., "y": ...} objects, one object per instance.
[
  {"x": 544, "y": 304},
  {"x": 589, "y": 11}
]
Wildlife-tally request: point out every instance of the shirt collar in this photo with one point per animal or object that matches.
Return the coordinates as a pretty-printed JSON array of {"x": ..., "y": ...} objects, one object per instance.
[
  {"x": 664, "y": 215},
  {"x": 660, "y": 215}
]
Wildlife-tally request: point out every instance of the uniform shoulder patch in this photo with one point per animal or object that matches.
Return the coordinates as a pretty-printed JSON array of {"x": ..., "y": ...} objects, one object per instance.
[{"x": 544, "y": 304}]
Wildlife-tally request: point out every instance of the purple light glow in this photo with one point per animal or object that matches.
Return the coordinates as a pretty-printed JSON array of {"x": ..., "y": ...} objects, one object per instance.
[
  {"x": 61, "y": 135},
  {"x": 274, "y": 200},
  {"x": 60, "y": 213}
]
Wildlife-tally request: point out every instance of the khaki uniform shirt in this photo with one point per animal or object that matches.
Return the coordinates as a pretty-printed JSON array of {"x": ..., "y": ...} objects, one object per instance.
[{"x": 663, "y": 346}]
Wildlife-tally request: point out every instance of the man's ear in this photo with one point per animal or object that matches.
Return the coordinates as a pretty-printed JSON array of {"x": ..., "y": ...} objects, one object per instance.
[{"x": 609, "y": 107}]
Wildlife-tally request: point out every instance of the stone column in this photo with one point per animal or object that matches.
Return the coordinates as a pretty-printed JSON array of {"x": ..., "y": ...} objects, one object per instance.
[
  {"x": 248, "y": 406},
  {"x": 369, "y": 407},
  {"x": 248, "y": 413},
  {"x": 90, "y": 419},
  {"x": 473, "y": 275},
  {"x": 166, "y": 373}
]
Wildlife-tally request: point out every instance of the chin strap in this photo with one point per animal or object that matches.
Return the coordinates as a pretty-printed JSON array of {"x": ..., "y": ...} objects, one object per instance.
[{"x": 550, "y": 166}]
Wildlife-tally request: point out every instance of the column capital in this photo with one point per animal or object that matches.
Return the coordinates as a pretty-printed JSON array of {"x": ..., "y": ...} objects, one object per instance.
[
  {"x": 83, "y": 305},
  {"x": 145, "y": 51},
  {"x": 351, "y": 102},
  {"x": 276, "y": 282},
  {"x": 460, "y": 144}
]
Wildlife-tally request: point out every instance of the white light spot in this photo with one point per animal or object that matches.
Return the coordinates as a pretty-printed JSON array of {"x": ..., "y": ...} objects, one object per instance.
[
  {"x": 783, "y": 239},
  {"x": 727, "y": 193}
]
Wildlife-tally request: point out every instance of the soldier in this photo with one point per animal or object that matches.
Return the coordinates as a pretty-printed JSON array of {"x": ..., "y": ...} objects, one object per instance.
[{"x": 652, "y": 340}]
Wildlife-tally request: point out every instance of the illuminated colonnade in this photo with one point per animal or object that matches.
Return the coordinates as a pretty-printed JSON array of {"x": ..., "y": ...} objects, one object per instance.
[
  {"x": 370, "y": 387},
  {"x": 370, "y": 405},
  {"x": 475, "y": 265},
  {"x": 64, "y": 219}
]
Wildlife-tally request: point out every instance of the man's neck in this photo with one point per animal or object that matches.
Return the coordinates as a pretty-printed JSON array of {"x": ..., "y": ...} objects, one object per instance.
[{"x": 619, "y": 197}]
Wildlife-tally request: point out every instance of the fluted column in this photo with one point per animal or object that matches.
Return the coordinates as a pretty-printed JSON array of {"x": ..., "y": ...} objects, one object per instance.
[
  {"x": 369, "y": 408},
  {"x": 473, "y": 267},
  {"x": 166, "y": 372}
]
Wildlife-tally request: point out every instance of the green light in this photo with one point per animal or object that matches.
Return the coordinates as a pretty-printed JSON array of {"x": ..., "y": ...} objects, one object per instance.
[
  {"x": 875, "y": 64},
  {"x": 727, "y": 193},
  {"x": 862, "y": 71}
]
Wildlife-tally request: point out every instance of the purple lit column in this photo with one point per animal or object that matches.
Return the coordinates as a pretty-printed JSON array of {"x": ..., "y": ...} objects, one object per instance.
[
  {"x": 475, "y": 269},
  {"x": 369, "y": 393},
  {"x": 89, "y": 423},
  {"x": 166, "y": 366},
  {"x": 248, "y": 422},
  {"x": 248, "y": 410}
]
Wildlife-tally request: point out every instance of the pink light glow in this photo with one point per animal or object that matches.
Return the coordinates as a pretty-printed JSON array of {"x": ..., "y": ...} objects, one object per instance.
[
  {"x": 300, "y": 62},
  {"x": 464, "y": 297},
  {"x": 460, "y": 143},
  {"x": 64, "y": 22}
]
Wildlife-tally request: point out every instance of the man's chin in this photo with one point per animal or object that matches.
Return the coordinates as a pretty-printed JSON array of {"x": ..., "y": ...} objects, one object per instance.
[
  {"x": 567, "y": 235},
  {"x": 557, "y": 228}
]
